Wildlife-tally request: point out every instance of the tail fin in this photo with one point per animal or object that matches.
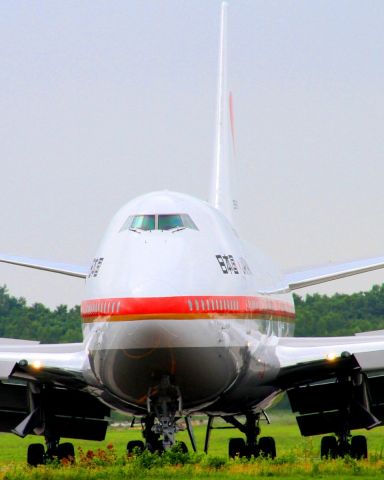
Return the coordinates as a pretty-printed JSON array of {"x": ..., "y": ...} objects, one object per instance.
[{"x": 221, "y": 195}]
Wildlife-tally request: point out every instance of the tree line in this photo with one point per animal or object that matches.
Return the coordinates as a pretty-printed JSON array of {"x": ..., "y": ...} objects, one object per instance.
[
  {"x": 37, "y": 322},
  {"x": 316, "y": 316},
  {"x": 340, "y": 314}
]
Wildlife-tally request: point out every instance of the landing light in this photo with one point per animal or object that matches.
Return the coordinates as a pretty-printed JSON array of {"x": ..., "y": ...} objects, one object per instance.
[
  {"x": 331, "y": 357},
  {"x": 36, "y": 364}
]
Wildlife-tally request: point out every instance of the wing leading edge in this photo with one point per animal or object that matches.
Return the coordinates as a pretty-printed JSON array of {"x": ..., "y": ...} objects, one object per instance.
[
  {"x": 314, "y": 276},
  {"x": 79, "y": 271},
  {"x": 36, "y": 359}
]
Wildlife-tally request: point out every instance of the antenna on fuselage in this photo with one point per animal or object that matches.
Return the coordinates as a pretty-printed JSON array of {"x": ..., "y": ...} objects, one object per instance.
[{"x": 221, "y": 195}]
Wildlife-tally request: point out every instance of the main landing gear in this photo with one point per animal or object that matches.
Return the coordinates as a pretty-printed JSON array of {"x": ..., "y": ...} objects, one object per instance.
[
  {"x": 40, "y": 421},
  {"x": 38, "y": 455},
  {"x": 354, "y": 446},
  {"x": 251, "y": 445}
]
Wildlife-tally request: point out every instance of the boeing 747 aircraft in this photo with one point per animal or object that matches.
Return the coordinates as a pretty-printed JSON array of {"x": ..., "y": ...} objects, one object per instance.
[{"x": 168, "y": 334}]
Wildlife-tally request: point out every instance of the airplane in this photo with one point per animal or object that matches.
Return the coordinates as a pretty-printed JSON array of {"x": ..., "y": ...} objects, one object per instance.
[{"x": 181, "y": 317}]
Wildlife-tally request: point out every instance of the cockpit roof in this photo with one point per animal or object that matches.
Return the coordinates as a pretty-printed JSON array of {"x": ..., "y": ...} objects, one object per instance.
[{"x": 203, "y": 215}]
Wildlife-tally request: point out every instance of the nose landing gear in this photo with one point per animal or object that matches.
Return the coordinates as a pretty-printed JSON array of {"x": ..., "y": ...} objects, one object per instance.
[
  {"x": 159, "y": 427},
  {"x": 165, "y": 402}
]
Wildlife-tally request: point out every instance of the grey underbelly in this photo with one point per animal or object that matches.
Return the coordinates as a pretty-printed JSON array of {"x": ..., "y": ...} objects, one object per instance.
[{"x": 201, "y": 374}]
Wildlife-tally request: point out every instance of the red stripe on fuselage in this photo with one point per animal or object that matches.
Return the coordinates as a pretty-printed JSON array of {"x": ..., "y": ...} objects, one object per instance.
[{"x": 186, "y": 307}]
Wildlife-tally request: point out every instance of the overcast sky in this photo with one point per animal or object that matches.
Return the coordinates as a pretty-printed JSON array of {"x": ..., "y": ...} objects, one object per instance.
[{"x": 102, "y": 101}]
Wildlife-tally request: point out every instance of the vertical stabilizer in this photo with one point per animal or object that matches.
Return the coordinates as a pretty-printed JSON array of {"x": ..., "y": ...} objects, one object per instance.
[{"x": 221, "y": 195}]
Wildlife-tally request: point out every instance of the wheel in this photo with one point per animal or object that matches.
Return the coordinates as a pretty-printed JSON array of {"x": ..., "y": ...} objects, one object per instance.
[
  {"x": 35, "y": 454},
  {"x": 67, "y": 451},
  {"x": 359, "y": 448},
  {"x": 135, "y": 444},
  {"x": 182, "y": 446},
  {"x": 267, "y": 447},
  {"x": 236, "y": 447},
  {"x": 328, "y": 448}
]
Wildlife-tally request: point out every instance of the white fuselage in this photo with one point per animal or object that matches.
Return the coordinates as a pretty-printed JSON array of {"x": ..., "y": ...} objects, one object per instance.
[{"x": 185, "y": 301}]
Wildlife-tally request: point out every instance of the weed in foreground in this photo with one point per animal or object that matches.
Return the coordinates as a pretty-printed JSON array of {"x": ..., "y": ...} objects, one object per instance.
[
  {"x": 99, "y": 458},
  {"x": 216, "y": 463},
  {"x": 175, "y": 464}
]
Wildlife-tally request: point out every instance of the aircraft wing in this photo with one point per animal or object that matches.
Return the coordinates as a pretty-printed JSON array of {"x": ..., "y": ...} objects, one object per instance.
[
  {"x": 368, "y": 349},
  {"x": 333, "y": 381},
  {"x": 314, "y": 276},
  {"x": 80, "y": 271},
  {"x": 29, "y": 360},
  {"x": 35, "y": 377}
]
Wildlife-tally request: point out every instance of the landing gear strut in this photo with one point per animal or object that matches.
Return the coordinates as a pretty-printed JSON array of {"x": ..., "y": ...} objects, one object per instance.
[
  {"x": 251, "y": 445},
  {"x": 159, "y": 426},
  {"x": 164, "y": 402}
]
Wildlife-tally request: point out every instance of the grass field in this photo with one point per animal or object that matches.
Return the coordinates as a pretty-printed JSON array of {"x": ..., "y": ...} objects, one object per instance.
[{"x": 297, "y": 458}]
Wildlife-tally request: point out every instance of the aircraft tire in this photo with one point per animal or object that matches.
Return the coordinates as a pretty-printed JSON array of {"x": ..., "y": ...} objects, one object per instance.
[
  {"x": 66, "y": 451},
  {"x": 183, "y": 447},
  {"x": 35, "y": 454},
  {"x": 328, "y": 448},
  {"x": 359, "y": 448},
  {"x": 138, "y": 444},
  {"x": 267, "y": 447},
  {"x": 236, "y": 447}
]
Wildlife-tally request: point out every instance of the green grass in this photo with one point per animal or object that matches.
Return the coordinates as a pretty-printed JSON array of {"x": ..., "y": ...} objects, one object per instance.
[{"x": 297, "y": 458}]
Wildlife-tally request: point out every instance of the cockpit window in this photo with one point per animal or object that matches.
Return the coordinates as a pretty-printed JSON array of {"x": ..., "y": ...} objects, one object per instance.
[
  {"x": 143, "y": 222},
  {"x": 166, "y": 222},
  {"x": 174, "y": 221},
  {"x": 188, "y": 222}
]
